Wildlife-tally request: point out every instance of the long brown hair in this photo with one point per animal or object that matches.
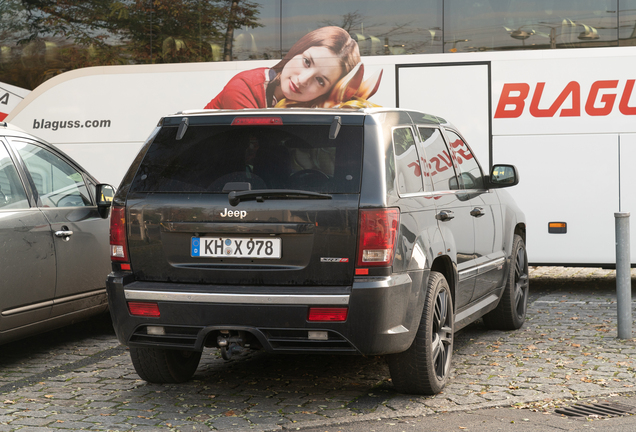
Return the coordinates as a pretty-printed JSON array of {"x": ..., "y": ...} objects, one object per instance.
[{"x": 336, "y": 39}]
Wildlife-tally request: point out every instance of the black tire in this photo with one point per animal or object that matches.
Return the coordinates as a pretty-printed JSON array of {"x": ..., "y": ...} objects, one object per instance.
[
  {"x": 164, "y": 366},
  {"x": 424, "y": 368},
  {"x": 510, "y": 313}
]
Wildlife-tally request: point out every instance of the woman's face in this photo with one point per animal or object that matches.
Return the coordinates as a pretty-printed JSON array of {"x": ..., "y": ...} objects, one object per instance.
[{"x": 310, "y": 74}]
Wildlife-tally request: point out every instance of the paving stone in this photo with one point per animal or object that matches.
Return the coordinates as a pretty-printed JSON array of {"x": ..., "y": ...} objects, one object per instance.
[{"x": 567, "y": 348}]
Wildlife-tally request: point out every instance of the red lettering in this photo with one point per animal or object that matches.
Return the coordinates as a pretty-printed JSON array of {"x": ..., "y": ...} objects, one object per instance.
[
  {"x": 446, "y": 158},
  {"x": 461, "y": 150},
  {"x": 507, "y": 99},
  {"x": 572, "y": 88},
  {"x": 627, "y": 94},
  {"x": 417, "y": 170},
  {"x": 438, "y": 165},
  {"x": 426, "y": 173},
  {"x": 606, "y": 99}
]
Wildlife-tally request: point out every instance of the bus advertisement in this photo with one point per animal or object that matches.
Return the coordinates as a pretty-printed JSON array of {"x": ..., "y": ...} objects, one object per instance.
[{"x": 565, "y": 118}]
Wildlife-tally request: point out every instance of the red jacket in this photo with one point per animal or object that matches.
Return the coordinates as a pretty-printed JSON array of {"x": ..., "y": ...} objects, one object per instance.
[{"x": 245, "y": 90}]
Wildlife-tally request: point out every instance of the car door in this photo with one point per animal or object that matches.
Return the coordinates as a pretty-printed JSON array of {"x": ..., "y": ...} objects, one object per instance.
[
  {"x": 453, "y": 208},
  {"x": 486, "y": 214},
  {"x": 80, "y": 235},
  {"x": 27, "y": 265}
]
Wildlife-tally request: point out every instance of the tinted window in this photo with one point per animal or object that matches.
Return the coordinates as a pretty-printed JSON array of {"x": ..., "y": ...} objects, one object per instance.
[
  {"x": 471, "y": 175},
  {"x": 407, "y": 161},
  {"x": 627, "y": 22},
  {"x": 437, "y": 159},
  {"x": 272, "y": 157},
  {"x": 12, "y": 195},
  {"x": 537, "y": 24},
  {"x": 57, "y": 182},
  {"x": 379, "y": 27}
]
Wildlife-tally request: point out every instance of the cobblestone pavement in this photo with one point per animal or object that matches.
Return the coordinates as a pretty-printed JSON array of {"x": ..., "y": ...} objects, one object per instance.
[{"x": 80, "y": 378}]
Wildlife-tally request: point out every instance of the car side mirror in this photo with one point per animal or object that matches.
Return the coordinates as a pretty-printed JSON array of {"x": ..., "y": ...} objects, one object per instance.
[
  {"x": 105, "y": 195},
  {"x": 503, "y": 176}
]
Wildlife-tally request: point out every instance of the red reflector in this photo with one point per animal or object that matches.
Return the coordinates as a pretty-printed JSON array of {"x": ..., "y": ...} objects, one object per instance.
[
  {"x": 376, "y": 238},
  {"x": 144, "y": 309},
  {"x": 125, "y": 266},
  {"x": 328, "y": 314},
  {"x": 362, "y": 271},
  {"x": 246, "y": 121}
]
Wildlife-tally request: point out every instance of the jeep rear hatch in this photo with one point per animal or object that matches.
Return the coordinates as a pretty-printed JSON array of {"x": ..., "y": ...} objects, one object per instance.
[{"x": 248, "y": 203}]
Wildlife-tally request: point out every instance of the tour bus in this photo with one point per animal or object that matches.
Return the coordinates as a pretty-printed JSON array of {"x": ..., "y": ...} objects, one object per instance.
[
  {"x": 565, "y": 118},
  {"x": 10, "y": 96}
]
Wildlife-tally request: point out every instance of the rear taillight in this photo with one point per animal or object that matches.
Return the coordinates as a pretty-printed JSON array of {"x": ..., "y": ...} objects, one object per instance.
[
  {"x": 118, "y": 244},
  {"x": 376, "y": 238}
]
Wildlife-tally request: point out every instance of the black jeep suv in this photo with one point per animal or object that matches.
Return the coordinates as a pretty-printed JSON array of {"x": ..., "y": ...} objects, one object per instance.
[{"x": 368, "y": 231}]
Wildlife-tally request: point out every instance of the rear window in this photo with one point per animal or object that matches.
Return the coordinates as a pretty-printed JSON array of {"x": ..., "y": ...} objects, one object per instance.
[{"x": 295, "y": 157}]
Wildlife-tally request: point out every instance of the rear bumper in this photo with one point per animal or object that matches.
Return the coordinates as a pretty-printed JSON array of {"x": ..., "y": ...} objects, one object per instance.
[{"x": 382, "y": 318}]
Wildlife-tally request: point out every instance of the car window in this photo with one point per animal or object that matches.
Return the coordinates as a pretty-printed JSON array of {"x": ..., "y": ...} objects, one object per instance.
[
  {"x": 300, "y": 157},
  {"x": 12, "y": 195},
  {"x": 409, "y": 172},
  {"x": 57, "y": 182},
  {"x": 470, "y": 173},
  {"x": 437, "y": 158}
]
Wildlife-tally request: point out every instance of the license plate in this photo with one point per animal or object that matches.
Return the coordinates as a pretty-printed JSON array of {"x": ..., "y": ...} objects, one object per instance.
[{"x": 230, "y": 247}]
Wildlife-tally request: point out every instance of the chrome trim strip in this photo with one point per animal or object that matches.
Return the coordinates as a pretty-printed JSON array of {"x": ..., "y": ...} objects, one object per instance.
[
  {"x": 471, "y": 310},
  {"x": 79, "y": 296},
  {"x": 214, "y": 298},
  {"x": 492, "y": 264},
  {"x": 361, "y": 282},
  {"x": 53, "y": 302},
  {"x": 10, "y": 312},
  {"x": 464, "y": 274}
]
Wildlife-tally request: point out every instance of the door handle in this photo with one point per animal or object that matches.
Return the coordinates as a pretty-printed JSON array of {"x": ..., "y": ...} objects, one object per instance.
[
  {"x": 477, "y": 212},
  {"x": 445, "y": 215},
  {"x": 65, "y": 233}
]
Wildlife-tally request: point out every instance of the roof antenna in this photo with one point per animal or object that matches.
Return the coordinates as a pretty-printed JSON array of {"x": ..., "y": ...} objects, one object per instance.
[
  {"x": 183, "y": 127},
  {"x": 335, "y": 128}
]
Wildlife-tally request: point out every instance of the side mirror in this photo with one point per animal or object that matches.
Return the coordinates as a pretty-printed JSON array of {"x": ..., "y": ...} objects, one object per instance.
[
  {"x": 503, "y": 176},
  {"x": 105, "y": 195}
]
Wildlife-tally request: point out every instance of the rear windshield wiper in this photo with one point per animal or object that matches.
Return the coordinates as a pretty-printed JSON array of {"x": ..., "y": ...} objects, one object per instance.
[{"x": 236, "y": 197}]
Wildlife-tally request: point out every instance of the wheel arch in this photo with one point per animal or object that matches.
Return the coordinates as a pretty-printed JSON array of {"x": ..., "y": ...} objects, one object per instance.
[{"x": 444, "y": 264}]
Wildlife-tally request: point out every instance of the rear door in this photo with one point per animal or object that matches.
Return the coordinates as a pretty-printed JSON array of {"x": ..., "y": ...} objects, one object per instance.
[
  {"x": 248, "y": 204},
  {"x": 453, "y": 209},
  {"x": 485, "y": 211},
  {"x": 79, "y": 234}
]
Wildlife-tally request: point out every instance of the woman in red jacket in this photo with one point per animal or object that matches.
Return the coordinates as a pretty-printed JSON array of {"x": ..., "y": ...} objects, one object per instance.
[{"x": 303, "y": 78}]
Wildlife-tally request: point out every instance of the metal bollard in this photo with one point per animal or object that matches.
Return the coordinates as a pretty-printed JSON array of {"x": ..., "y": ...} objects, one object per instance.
[{"x": 623, "y": 276}]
